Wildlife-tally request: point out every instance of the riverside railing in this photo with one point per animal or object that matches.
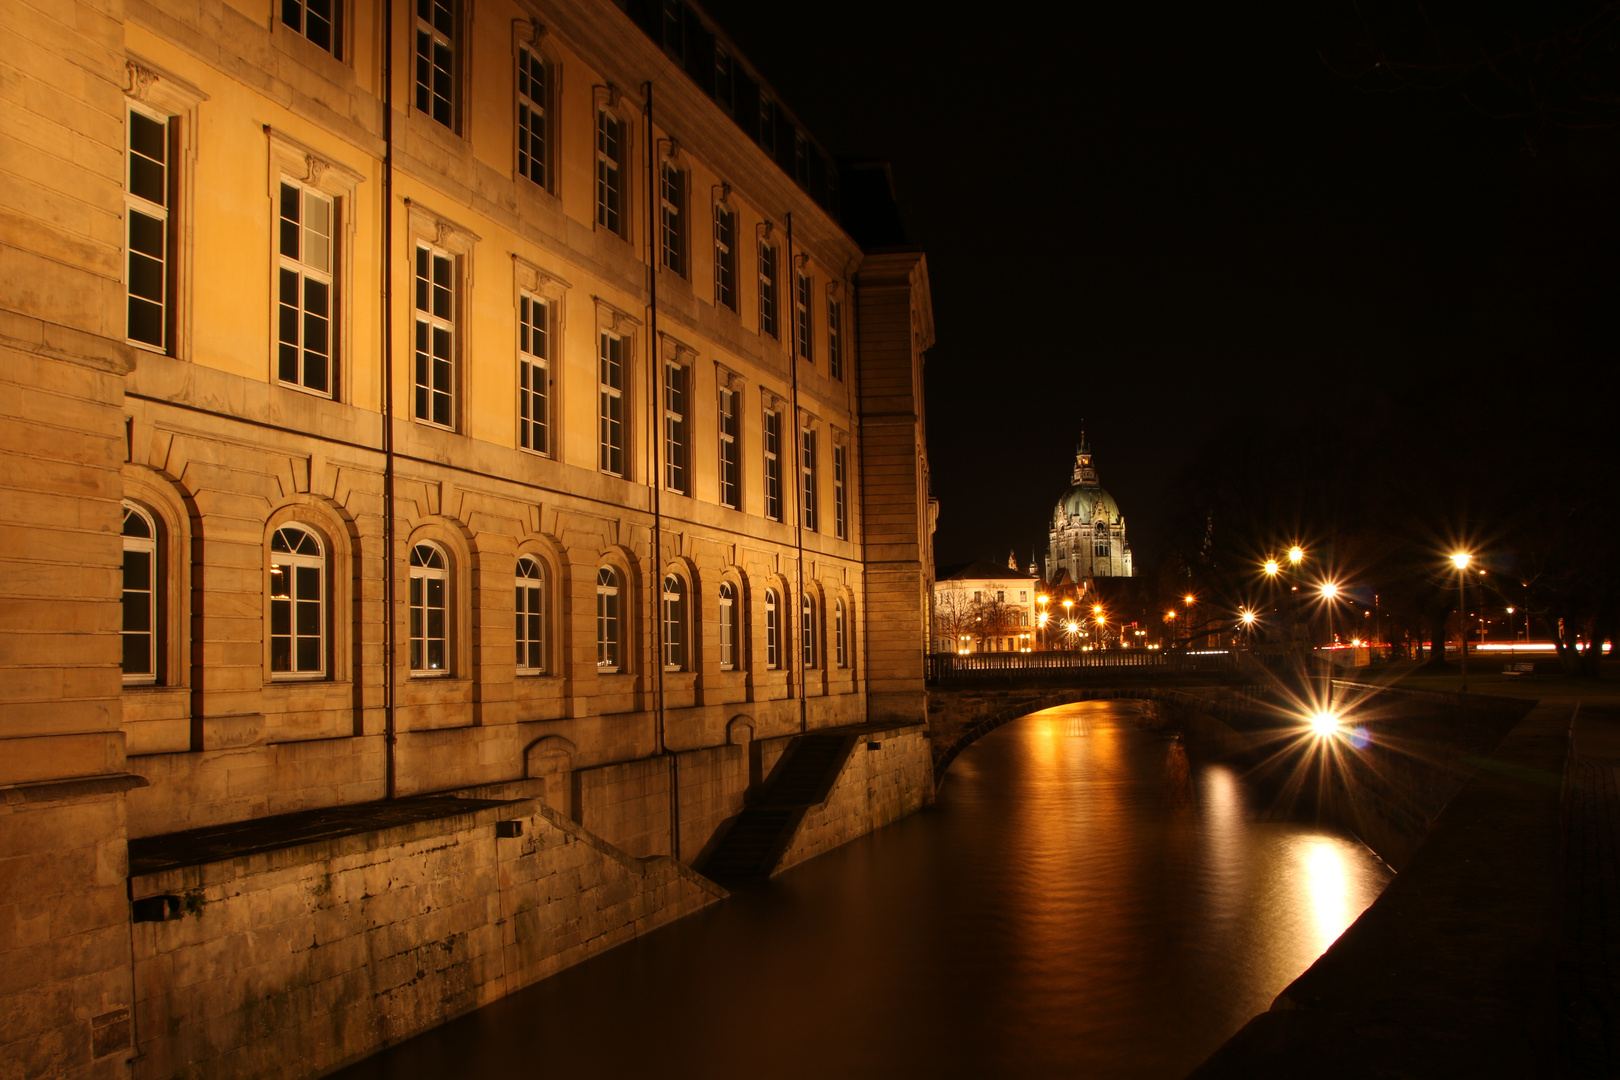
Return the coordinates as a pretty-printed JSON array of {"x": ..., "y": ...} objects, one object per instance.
[{"x": 1057, "y": 664}]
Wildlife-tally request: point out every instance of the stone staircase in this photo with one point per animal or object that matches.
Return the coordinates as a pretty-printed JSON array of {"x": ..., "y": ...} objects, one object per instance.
[{"x": 750, "y": 848}]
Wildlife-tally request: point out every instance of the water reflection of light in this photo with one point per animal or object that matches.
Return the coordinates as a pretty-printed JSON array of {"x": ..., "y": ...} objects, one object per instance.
[{"x": 1324, "y": 883}]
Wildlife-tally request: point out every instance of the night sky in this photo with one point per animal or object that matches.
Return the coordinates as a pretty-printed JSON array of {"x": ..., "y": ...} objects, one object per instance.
[{"x": 1169, "y": 225}]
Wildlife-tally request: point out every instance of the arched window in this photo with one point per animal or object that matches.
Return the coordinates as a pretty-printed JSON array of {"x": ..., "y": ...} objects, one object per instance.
[
  {"x": 807, "y": 630},
  {"x": 430, "y": 610},
  {"x": 840, "y": 650},
  {"x": 607, "y": 619},
  {"x": 141, "y": 595},
  {"x": 728, "y": 627},
  {"x": 674, "y": 623},
  {"x": 1099, "y": 541},
  {"x": 773, "y": 632},
  {"x": 297, "y": 594},
  {"x": 530, "y": 613}
]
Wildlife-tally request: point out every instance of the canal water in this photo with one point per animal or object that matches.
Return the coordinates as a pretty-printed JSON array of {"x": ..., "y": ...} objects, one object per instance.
[{"x": 1083, "y": 901}]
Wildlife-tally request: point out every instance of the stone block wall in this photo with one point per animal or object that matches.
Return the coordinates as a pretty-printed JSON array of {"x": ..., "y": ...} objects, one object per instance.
[
  {"x": 290, "y": 963},
  {"x": 889, "y": 773}
]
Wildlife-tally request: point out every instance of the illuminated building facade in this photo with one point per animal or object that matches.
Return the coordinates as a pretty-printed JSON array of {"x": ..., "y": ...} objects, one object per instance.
[
  {"x": 1087, "y": 535},
  {"x": 454, "y": 396}
]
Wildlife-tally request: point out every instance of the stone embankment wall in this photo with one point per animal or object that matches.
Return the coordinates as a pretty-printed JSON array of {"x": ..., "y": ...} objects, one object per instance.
[
  {"x": 887, "y": 774},
  {"x": 290, "y": 963}
]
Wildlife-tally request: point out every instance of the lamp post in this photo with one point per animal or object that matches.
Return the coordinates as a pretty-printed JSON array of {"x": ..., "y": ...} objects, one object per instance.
[
  {"x": 1461, "y": 559},
  {"x": 1248, "y": 626},
  {"x": 1329, "y": 591}
]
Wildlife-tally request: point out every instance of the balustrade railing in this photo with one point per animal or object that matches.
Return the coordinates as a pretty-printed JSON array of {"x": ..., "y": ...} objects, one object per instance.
[{"x": 1059, "y": 663}]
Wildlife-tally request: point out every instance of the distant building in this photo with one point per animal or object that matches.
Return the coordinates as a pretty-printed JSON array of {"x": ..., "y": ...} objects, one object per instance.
[
  {"x": 1087, "y": 538},
  {"x": 982, "y": 607}
]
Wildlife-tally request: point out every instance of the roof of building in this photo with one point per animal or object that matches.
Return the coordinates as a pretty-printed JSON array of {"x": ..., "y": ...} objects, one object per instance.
[{"x": 981, "y": 570}]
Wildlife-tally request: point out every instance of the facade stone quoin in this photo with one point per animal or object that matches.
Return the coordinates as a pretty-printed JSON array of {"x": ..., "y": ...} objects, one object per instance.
[{"x": 369, "y": 513}]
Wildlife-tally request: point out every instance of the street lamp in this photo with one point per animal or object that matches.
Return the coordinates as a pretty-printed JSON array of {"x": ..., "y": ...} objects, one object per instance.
[
  {"x": 1329, "y": 592},
  {"x": 1271, "y": 567},
  {"x": 1461, "y": 559},
  {"x": 1295, "y": 554},
  {"x": 1248, "y": 625}
]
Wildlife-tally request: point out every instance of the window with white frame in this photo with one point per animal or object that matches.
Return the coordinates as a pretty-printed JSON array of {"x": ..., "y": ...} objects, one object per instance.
[
  {"x": 148, "y": 200},
  {"x": 609, "y": 171},
  {"x": 534, "y": 374},
  {"x": 728, "y": 627},
  {"x": 807, "y": 470},
  {"x": 840, "y": 649},
  {"x": 534, "y": 118},
  {"x": 142, "y": 593},
  {"x": 835, "y": 338},
  {"x": 674, "y": 623},
  {"x": 607, "y": 619},
  {"x": 429, "y": 610},
  {"x": 529, "y": 578},
  {"x": 672, "y": 218},
  {"x": 675, "y": 427},
  {"x": 772, "y": 442},
  {"x": 437, "y": 49},
  {"x": 725, "y": 257},
  {"x": 610, "y": 403},
  {"x": 306, "y": 292},
  {"x": 840, "y": 498},
  {"x": 730, "y": 448},
  {"x": 767, "y": 289},
  {"x": 321, "y": 21},
  {"x": 435, "y": 368},
  {"x": 297, "y": 600},
  {"x": 801, "y": 316},
  {"x": 807, "y": 630},
  {"x": 773, "y": 632}
]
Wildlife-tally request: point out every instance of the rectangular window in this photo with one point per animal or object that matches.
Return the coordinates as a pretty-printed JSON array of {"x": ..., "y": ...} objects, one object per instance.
[
  {"x": 609, "y": 193},
  {"x": 321, "y": 21},
  {"x": 725, "y": 258},
  {"x": 672, "y": 218},
  {"x": 773, "y": 465},
  {"x": 436, "y": 60},
  {"x": 807, "y": 469},
  {"x": 435, "y": 375},
  {"x": 730, "y": 451},
  {"x": 835, "y": 342},
  {"x": 675, "y": 428},
  {"x": 767, "y": 289},
  {"x": 533, "y": 119},
  {"x": 801, "y": 158},
  {"x": 147, "y": 203},
  {"x": 534, "y": 374},
  {"x": 801, "y": 316},
  {"x": 610, "y": 408},
  {"x": 767, "y": 124},
  {"x": 724, "y": 93},
  {"x": 840, "y": 511},
  {"x": 305, "y": 283}
]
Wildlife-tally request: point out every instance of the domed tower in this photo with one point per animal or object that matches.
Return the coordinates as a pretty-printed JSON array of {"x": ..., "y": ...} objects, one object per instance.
[{"x": 1087, "y": 538}]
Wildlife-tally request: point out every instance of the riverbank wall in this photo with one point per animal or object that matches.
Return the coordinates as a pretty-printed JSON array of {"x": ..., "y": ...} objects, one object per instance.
[
  {"x": 887, "y": 773},
  {"x": 292, "y": 961}
]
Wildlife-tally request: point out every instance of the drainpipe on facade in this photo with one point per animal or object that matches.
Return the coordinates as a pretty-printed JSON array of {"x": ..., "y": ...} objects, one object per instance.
[
  {"x": 654, "y": 374},
  {"x": 390, "y": 644},
  {"x": 798, "y": 464}
]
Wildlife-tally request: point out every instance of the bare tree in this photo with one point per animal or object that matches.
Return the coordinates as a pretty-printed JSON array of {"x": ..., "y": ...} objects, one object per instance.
[{"x": 953, "y": 614}]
